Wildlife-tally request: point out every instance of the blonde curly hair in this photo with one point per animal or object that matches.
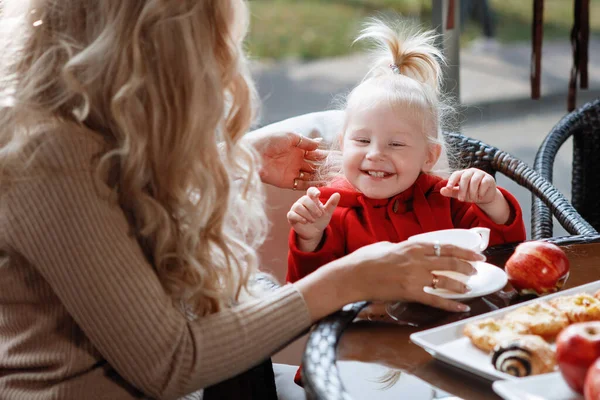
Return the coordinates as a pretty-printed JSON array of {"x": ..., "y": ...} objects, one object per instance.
[{"x": 165, "y": 84}]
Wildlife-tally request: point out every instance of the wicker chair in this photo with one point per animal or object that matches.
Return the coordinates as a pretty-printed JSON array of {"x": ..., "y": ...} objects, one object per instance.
[
  {"x": 584, "y": 125},
  {"x": 320, "y": 375},
  {"x": 473, "y": 153}
]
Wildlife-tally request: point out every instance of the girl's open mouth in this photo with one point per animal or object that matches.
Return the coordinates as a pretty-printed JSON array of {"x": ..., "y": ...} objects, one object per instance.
[{"x": 377, "y": 174}]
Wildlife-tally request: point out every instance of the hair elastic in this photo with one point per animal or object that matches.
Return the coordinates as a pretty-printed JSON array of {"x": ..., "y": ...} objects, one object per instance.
[{"x": 395, "y": 69}]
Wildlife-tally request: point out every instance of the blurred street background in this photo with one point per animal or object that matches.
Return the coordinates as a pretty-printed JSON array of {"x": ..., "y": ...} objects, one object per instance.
[{"x": 303, "y": 58}]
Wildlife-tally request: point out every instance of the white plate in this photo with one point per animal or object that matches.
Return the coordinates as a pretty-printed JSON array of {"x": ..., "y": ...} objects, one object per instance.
[
  {"x": 489, "y": 279},
  {"x": 540, "y": 387},
  {"x": 447, "y": 342}
]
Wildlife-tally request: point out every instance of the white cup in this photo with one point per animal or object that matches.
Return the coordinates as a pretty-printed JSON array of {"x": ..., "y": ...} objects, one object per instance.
[{"x": 475, "y": 239}]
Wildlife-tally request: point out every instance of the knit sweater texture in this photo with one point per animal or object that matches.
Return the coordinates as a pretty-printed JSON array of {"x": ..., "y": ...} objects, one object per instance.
[{"x": 83, "y": 315}]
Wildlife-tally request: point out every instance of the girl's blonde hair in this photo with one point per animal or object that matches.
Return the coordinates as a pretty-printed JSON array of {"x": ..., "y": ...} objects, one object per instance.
[
  {"x": 162, "y": 82},
  {"x": 406, "y": 72}
]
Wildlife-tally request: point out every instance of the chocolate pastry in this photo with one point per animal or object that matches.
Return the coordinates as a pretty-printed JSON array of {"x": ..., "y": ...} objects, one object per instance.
[{"x": 524, "y": 356}]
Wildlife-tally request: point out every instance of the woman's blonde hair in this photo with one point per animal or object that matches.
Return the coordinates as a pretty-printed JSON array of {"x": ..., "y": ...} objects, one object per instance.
[
  {"x": 165, "y": 84},
  {"x": 407, "y": 73}
]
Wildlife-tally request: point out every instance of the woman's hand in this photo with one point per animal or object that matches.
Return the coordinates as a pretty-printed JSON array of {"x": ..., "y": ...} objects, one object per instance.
[
  {"x": 309, "y": 218},
  {"x": 387, "y": 272},
  {"x": 404, "y": 269},
  {"x": 476, "y": 186},
  {"x": 288, "y": 159}
]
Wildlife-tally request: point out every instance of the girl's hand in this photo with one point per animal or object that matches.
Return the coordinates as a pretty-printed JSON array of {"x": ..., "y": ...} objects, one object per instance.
[
  {"x": 476, "y": 186},
  {"x": 471, "y": 186},
  {"x": 309, "y": 218}
]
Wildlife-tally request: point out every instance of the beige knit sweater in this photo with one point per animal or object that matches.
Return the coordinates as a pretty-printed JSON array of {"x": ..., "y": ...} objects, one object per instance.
[{"x": 83, "y": 315}]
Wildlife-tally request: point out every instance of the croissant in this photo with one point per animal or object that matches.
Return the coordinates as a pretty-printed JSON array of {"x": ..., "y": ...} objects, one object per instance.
[{"x": 523, "y": 356}]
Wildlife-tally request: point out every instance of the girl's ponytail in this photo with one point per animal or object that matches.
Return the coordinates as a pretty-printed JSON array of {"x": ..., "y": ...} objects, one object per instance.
[{"x": 405, "y": 51}]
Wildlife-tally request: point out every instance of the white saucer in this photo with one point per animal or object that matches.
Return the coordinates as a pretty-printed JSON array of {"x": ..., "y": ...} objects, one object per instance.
[
  {"x": 536, "y": 387},
  {"x": 489, "y": 279}
]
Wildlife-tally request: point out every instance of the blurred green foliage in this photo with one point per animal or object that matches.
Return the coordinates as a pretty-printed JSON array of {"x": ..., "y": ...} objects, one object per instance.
[{"x": 310, "y": 29}]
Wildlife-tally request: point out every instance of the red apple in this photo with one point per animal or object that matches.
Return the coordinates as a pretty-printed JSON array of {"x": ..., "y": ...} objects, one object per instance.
[
  {"x": 577, "y": 347},
  {"x": 591, "y": 387},
  {"x": 537, "y": 268}
]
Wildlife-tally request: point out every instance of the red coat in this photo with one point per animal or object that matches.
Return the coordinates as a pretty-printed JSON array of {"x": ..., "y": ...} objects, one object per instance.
[{"x": 359, "y": 221}]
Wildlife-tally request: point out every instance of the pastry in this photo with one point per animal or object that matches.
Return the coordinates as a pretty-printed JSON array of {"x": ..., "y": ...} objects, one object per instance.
[
  {"x": 578, "y": 308},
  {"x": 523, "y": 356},
  {"x": 487, "y": 333},
  {"x": 540, "y": 319}
]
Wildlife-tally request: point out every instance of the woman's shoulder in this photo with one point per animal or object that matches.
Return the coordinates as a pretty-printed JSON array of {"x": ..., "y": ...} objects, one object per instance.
[
  {"x": 63, "y": 148},
  {"x": 55, "y": 170},
  {"x": 53, "y": 156}
]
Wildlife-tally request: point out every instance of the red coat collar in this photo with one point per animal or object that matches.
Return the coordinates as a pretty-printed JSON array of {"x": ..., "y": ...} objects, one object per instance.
[{"x": 352, "y": 198}]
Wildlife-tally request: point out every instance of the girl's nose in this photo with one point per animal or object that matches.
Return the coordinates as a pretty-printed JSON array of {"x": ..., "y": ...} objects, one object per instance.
[{"x": 375, "y": 154}]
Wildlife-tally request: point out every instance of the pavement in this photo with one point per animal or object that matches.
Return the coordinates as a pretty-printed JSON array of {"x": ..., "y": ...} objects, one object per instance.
[{"x": 494, "y": 91}]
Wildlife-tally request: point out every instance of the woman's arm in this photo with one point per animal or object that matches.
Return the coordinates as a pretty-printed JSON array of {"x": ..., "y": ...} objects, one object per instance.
[{"x": 80, "y": 242}]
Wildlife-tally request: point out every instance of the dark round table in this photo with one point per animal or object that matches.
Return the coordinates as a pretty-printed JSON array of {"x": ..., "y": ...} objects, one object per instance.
[{"x": 349, "y": 358}]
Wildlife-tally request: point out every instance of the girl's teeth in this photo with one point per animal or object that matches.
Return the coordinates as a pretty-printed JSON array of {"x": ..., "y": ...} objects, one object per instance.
[{"x": 377, "y": 174}]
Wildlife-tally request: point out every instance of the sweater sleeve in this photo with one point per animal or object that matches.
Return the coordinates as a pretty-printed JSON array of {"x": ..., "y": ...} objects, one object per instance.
[
  {"x": 332, "y": 247},
  {"x": 79, "y": 241},
  {"x": 468, "y": 215}
]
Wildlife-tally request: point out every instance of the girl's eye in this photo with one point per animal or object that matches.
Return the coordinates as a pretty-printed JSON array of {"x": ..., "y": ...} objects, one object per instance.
[
  {"x": 398, "y": 144},
  {"x": 365, "y": 141}
]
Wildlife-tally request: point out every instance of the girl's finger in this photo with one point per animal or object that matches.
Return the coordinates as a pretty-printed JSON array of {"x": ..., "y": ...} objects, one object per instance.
[
  {"x": 463, "y": 184},
  {"x": 294, "y": 218},
  {"x": 475, "y": 192},
  {"x": 313, "y": 205},
  {"x": 332, "y": 203},
  {"x": 313, "y": 193},
  {"x": 301, "y": 210},
  {"x": 454, "y": 179},
  {"x": 488, "y": 184},
  {"x": 450, "y": 192}
]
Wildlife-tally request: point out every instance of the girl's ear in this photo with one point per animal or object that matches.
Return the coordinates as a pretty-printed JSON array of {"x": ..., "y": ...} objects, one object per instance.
[
  {"x": 341, "y": 140},
  {"x": 435, "y": 151}
]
